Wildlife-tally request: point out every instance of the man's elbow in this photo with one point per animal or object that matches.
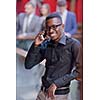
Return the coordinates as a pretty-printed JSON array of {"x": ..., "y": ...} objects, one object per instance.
[{"x": 27, "y": 65}]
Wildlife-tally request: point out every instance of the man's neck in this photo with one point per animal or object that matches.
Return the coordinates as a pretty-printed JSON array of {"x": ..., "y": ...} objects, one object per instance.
[{"x": 58, "y": 39}]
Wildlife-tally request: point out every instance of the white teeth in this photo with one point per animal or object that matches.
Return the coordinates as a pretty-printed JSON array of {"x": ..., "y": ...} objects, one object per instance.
[{"x": 53, "y": 34}]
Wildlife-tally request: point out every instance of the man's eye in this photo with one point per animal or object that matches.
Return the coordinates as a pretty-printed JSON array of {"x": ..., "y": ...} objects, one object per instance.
[{"x": 54, "y": 26}]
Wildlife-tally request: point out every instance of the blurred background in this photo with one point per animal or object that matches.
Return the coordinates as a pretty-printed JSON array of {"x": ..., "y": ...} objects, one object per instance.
[{"x": 28, "y": 82}]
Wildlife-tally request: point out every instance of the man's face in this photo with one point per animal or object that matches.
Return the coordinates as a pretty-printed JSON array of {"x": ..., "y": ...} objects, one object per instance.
[
  {"x": 54, "y": 28},
  {"x": 29, "y": 9},
  {"x": 62, "y": 8}
]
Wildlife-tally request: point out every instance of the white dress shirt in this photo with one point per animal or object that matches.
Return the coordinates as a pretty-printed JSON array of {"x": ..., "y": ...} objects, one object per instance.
[{"x": 64, "y": 16}]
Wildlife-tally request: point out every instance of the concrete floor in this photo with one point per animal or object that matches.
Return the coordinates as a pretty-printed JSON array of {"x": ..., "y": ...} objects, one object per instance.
[{"x": 27, "y": 81}]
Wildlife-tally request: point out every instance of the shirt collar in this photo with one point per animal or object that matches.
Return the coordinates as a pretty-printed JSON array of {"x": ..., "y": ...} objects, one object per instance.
[
  {"x": 63, "y": 39},
  {"x": 31, "y": 15}
]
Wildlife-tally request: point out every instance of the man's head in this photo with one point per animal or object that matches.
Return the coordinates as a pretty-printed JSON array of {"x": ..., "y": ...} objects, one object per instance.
[
  {"x": 62, "y": 4},
  {"x": 54, "y": 26},
  {"x": 29, "y": 8},
  {"x": 45, "y": 9}
]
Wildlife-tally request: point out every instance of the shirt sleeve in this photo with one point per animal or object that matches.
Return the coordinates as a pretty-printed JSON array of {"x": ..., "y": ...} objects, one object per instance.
[
  {"x": 75, "y": 71},
  {"x": 33, "y": 57}
]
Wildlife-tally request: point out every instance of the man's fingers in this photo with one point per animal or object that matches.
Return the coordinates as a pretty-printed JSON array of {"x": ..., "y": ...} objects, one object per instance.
[
  {"x": 38, "y": 35},
  {"x": 47, "y": 37},
  {"x": 51, "y": 94}
]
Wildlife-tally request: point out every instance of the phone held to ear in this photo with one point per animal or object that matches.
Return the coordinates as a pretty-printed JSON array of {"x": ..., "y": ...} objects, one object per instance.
[{"x": 44, "y": 34}]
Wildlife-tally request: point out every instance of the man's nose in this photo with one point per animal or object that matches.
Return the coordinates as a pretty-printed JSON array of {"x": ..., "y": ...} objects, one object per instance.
[{"x": 51, "y": 30}]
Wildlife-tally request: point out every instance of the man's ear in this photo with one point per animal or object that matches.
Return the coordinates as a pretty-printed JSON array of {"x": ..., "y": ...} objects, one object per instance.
[{"x": 63, "y": 26}]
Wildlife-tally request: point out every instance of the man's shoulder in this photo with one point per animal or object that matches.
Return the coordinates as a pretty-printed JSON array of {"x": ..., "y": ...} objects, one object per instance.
[
  {"x": 36, "y": 17},
  {"x": 72, "y": 40},
  {"x": 21, "y": 14},
  {"x": 76, "y": 41}
]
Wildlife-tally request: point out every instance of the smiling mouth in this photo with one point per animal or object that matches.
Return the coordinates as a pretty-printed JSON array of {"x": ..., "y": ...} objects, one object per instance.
[{"x": 52, "y": 34}]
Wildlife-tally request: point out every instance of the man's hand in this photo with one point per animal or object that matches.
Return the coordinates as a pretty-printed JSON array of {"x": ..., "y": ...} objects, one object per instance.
[
  {"x": 20, "y": 36},
  {"x": 39, "y": 38},
  {"x": 24, "y": 36},
  {"x": 51, "y": 91}
]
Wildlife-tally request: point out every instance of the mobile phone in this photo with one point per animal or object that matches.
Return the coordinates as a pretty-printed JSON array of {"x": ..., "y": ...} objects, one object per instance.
[{"x": 45, "y": 33}]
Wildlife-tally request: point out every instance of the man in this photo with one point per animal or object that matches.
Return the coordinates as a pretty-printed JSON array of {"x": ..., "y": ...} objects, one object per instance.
[
  {"x": 62, "y": 59},
  {"x": 68, "y": 18},
  {"x": 28, "y": 25}
]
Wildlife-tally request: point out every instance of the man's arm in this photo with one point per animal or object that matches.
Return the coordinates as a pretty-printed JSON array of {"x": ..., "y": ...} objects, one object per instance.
[
  {"x": 33, "y": 57},
  {"x": 74, "y": 25},
  {"x": 25, "y": 37},
  {"x": 36, "y": 52},
  {"x": 75, "y": 71}
]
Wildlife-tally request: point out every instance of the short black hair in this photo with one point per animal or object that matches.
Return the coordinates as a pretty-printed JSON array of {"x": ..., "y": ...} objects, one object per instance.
[{"x": 54, "y": 15}]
